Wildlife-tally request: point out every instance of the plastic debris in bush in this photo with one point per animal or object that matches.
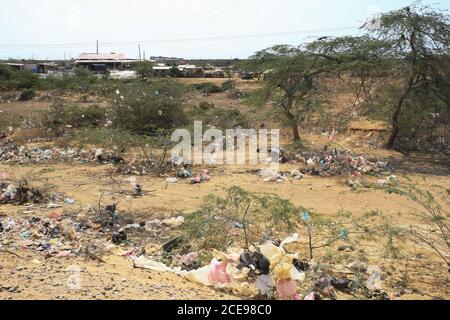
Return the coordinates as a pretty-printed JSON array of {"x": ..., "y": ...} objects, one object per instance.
[
  {"x": 15, "y": 154},
  {"x": 334, "y": 162}
]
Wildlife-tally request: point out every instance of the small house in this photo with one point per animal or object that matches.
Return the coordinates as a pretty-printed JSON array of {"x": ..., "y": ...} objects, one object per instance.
[{"x": 103, "y": 61}]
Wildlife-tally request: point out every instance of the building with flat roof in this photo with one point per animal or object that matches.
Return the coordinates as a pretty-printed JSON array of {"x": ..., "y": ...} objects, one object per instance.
[{"x": 103, "y": 61}]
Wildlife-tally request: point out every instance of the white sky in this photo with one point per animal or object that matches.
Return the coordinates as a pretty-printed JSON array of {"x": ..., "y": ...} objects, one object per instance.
[{"x": 24, "y": 22}]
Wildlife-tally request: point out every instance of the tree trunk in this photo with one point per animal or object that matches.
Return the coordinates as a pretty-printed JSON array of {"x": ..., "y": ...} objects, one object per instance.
[
  {"x": 292, "y": 120},
  {"x": 395, "y": 120},
  {"x": 394, "y": 134},
  {"x": 295, "y": 132},
  {"x": 409, "y": 88}
]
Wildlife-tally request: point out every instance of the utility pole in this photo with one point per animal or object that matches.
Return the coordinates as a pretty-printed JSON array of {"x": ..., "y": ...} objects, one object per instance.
[
  {"x": 140, "y": 58},
  {"x": 144, "y": 55},
  {"x": 97, "y": 46}
]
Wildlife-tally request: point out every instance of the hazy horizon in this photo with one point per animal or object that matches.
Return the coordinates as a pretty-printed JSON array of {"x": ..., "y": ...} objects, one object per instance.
[{"x": 196, "y": 29}]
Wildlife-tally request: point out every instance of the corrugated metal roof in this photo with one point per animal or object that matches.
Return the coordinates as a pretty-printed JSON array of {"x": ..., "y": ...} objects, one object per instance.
[
  {"x": 101, "y": 56},
  {"x": 104, "y": 61}
]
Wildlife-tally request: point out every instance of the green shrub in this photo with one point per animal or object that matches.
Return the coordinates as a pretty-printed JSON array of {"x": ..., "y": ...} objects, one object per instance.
[
  {"x": 207, "y": 88},
  {"x": 144, "y": 70},
  {"x": 62, "y": 114},
  {"x": 81, "y": 80},
  {"x": 240, "y": 218},
  {"x": 148, "y": 108},
  {"x": 23, "y": 80},
  {"x": 205, "y": 106},
  {"x": 223, "y": 118},
  {"x": 106, "y": 138},
  {"x": 6, "y": 72},
  {"x": 228, "y": 118},
  {"x": 228, "y": 85}
]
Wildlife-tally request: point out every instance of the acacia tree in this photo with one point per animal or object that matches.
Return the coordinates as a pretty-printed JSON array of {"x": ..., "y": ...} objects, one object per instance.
[
  {"x": 360, "y": 62},
  {"x": 398, "y": 66},
  {"x": 409, "y": 53},
  {"x": 418, "y": 39},
  {"x": 291, "y": 82}
]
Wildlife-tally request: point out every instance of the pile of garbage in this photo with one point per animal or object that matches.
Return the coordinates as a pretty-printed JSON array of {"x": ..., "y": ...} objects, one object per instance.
[
  {"x": 327, "y": 163},
  {"x": 15, "y": 154},
  {"x": 55, "y": 235},
  {"x": 153, "y": 164},
  {"x": 12, "y": 194},
  {"x": 90, "y": 233},
  {"x": 335, "y": 163},
  {"x": 266, "y": 270}
]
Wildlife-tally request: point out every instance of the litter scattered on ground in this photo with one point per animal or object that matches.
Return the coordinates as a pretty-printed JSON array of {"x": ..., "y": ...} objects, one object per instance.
[
  {"x": 265, "y": 269},
  {"x": 12, "y": 194},
  {"x": 16, "y": 154},
  {"x": 270, "y": 175},
  {"x": 60, "y": 235},
  {"x": 203, "y": 177},
  {"x": 122, "y": 75},
  {"x": 185, "y": 172},
  {"x": 173, "y": 222},
  {"x": 69, "y": 201},
  {"x": 147, "y": 263},
  {"x": 137, "y": 188},
  {"x": 330, "y": 163},
  {"x": 261, "y": 270},
  {"x": 335, "y": 163},
  {"x": 355, "y": 182}
]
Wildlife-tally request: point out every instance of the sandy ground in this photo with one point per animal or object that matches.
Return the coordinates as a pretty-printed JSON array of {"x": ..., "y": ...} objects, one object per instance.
[
  {"x": 28, "y": 276},
  {"x": 32, "y": 277}
]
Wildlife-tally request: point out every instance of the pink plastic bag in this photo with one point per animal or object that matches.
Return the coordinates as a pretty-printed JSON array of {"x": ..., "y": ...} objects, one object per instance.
[
  {"x": 190, "y": 258},
  {"x": 218, "y": 272},
  {"x": 310, "y": 296},
  {"x": 196, "y": 180},
  {"x": 63, "y": 254},
  {"x": 286, "y": 289}
]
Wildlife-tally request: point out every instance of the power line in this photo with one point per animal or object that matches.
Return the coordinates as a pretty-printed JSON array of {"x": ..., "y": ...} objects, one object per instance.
[{"x": 168, "y": 41}]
